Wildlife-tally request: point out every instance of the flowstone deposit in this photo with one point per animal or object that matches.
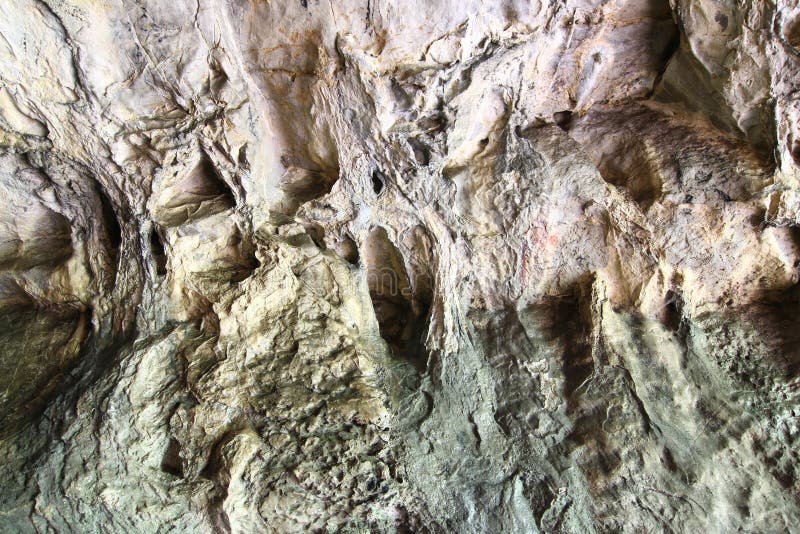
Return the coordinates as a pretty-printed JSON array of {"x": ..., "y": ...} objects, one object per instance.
[{"x": 451, "y": 266}]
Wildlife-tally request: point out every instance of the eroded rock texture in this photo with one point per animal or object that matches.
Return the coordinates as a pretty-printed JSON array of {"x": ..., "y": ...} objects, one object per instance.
[{"x": 451, "y": 266}]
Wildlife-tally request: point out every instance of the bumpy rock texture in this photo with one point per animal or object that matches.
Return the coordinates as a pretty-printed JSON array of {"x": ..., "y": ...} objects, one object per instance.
[{"x": 454, "y": 266}]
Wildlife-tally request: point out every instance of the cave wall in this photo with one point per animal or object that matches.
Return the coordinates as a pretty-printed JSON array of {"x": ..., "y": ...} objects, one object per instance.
[{"x": 450, "y": 266}]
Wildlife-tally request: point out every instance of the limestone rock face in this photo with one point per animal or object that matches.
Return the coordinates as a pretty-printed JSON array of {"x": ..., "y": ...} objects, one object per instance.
[{"x": 385, "y": 266}]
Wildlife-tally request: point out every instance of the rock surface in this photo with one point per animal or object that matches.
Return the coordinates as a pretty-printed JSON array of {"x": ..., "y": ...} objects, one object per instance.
[{"x": 452, "y": 266}]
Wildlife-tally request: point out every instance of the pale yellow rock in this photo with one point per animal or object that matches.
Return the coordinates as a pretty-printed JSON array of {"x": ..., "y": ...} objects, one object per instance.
[{"x": 436, "y": 266}]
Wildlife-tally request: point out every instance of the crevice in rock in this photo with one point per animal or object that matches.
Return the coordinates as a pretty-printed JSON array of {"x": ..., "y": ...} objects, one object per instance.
[
  {"x": 378, "y": 182},
  {"x": 632, "y": 171},
  {"x": 316, "y": 232},
  {"x": 794, "y": 150},
  {"x": 347, "y": 249},
  {"x": 171, "y": 462},
  {"x": 199, "y": 193},
  {"x": 111, "y": 225},
  {"x": 304, "y": 185},
  {"x": 159, "y": 254},
  {"x": 392, "y": 299},
  {"x": 242, "y": 158},
  {"x": 670, "y": 50},
  {"x": 304, "y": 181},
  {"x": 242, "y": 259},
  {"x": 210, "y": 183},
  {"x": 563, "y": 119},
  {"x": 420, "y": 150},
  {"x": 673, "y": 311},
  {"x": 483, "y": 386},
  {"x": 216, "y": 470},
  {"x": 573, "y": 315},
  {"x": 688, "y": 84}
]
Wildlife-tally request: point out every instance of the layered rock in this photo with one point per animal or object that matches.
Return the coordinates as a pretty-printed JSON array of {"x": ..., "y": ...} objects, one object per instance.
[{"x": 303, "y": 265}]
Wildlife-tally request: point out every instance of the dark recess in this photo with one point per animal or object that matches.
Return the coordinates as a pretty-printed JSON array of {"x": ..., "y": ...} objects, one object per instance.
[
  {"x": 111, "y": 224},
  {"x": 378, "y": 182},
  {"x": 159, "y": 254},
  {"x": 563, "y": 119},
  {"x": 171, "y": 463},
  {"x": 796, "y": 152}
]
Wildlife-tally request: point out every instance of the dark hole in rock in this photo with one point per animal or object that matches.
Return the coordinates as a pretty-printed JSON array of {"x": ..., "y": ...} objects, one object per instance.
[
  {"x": 347, "y": 249},
  {"x": 246, "y": 268},
  {"x": 316, "y": 233},
  {"x": 670, "y": 47},
  {"x": 216, "y": 470},
  {"x": 421, "y": 151},
  {"x": 722, "y": 20},
  {"x": 392, "y": 316},
  {"x": 159, "y": 254},
  {"x": 198, "y": 193},
  {"x": 111, "y": 225},
  {"x": 303, "y": 184},
  {"x": 401, "y": 97},
  {"x": 667, "y": 460},
  {"x": 673, "y": 311},
  {"x": 391, "y": 295},
  {"x": 241, "y": 261},
  {"x": 563, "y": 119},
  {"x": 796, "y": 152},
  {"x": 759, "y": 219},
  {"x": 794, "y": 231},
  {"x": 216, "y": 82},
  {"x": 575, "y": 321},
  {"x": 215, "y": 465},
  {"x": 171, "y": 462},
  {"x": 631, "y": 169},
  {"x": 378, "y": 182},
  {"x": 243, "y": 161},
  {"x": 210, "y": 183},
  {"x": 540, "y": 496},
  {"x": 784, "y": 477}
]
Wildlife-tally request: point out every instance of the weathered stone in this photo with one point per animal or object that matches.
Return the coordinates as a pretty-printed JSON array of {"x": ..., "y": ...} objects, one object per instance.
[{"x": 474, "y": 266}]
